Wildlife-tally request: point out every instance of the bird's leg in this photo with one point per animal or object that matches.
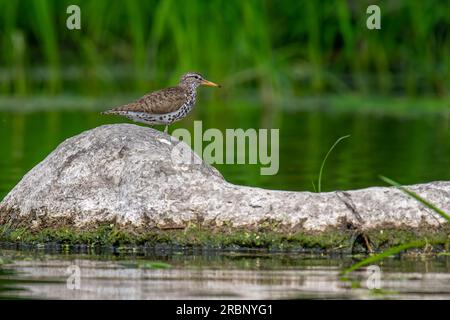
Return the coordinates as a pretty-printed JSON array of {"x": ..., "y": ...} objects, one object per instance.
[{"x": 166, "y": 129}]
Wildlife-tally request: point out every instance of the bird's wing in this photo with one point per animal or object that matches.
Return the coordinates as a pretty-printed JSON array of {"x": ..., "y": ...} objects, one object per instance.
[{"x": 157, "y": 102}]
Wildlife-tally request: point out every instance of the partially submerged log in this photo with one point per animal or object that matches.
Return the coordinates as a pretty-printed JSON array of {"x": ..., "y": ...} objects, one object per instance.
[{"x": 132, "y": 177}]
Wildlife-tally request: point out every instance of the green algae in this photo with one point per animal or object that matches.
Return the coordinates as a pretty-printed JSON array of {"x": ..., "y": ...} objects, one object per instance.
[{"x": 194, "y": 236}]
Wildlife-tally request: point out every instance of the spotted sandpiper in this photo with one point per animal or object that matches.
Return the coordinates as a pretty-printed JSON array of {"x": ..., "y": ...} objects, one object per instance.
[{"x": 165, "y": 106}]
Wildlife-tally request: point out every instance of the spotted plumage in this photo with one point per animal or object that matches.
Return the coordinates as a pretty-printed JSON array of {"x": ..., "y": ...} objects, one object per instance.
[{"x": 167, "y": 105}]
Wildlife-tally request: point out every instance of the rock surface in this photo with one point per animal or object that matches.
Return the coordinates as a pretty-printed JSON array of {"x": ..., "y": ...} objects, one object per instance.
[{"x": 139, "y": 179}]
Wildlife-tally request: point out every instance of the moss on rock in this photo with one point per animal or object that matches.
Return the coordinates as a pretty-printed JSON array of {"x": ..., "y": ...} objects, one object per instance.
[{"x": 193, "y": 236}]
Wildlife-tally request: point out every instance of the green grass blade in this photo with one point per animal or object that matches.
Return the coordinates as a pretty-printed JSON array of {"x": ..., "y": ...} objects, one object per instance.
[
  {"x": 417, "y": 197},
  {"x": 319, "y": 182},
  {"x": 400, "y": 248},
  {"x": 385, "y": 254}
]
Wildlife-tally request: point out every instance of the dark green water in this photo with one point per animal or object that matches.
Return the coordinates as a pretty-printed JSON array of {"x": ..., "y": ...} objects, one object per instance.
[{"x": 410, "y": 148}]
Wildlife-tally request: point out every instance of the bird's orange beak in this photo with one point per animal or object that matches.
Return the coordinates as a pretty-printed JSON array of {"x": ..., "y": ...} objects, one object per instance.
[{"x": 209, "y": 83}]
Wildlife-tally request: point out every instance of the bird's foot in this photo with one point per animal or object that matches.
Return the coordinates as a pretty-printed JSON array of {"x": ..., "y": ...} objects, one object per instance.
[{"x": 166, "y": 129}]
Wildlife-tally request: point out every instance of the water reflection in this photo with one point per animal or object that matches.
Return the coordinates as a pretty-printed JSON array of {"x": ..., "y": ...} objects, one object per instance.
[
  {"x": 221, "y": 275},
  {"x": 410, "y": 150}
]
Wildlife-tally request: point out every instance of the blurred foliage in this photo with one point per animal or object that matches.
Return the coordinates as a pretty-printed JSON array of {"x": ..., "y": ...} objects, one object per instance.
[
  {"x": 316, "y": 55},
  {"x": 296, "y": 47}
]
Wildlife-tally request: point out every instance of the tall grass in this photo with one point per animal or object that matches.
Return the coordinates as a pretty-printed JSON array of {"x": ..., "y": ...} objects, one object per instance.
[{"x": 288, "y": 47}]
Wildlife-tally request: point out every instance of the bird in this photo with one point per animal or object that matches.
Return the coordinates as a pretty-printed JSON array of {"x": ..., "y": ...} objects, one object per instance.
[{"x": 167, "y": 105}]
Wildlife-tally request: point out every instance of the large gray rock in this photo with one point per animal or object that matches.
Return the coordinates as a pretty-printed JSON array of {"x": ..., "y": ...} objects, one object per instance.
[{"x": 138, "y": 178}]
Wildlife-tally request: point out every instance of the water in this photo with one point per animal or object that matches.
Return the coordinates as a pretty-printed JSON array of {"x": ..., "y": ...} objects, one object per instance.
[
  {"x": 409, "y": 148},
  {"x": 217, "y": 275}
]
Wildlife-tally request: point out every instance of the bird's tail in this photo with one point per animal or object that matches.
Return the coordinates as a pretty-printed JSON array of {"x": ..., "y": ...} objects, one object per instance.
[
  {"x": 107, "y": 112},
  {"x": 117, "y": 110}
]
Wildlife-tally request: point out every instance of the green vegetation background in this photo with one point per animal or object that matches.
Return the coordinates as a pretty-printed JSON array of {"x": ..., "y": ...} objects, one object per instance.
[
  {"x": 298, "y": 47},
  {"x": 292, "y": 64}
]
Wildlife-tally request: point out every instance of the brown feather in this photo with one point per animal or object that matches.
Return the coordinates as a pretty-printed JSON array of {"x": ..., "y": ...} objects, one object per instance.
[{"x": 157, "y": 102}]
